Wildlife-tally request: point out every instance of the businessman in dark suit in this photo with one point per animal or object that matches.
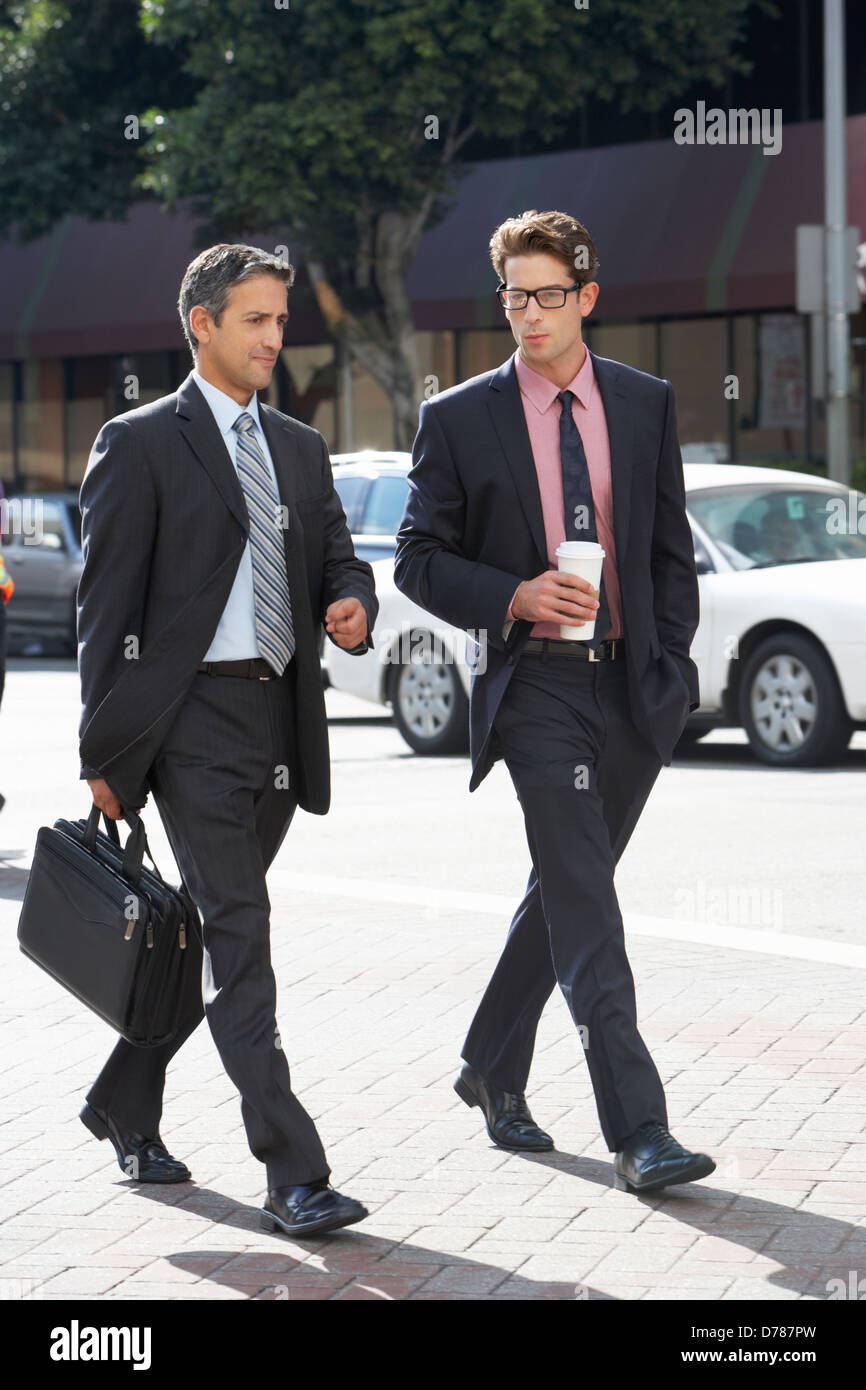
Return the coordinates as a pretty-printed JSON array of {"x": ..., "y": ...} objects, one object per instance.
[
  {"x": 215, "y": 548},
  {"x": 557, "y": 444}
]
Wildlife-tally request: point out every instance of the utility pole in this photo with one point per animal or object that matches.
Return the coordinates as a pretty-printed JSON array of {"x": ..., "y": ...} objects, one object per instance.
[{"x": 836, "y": 272}]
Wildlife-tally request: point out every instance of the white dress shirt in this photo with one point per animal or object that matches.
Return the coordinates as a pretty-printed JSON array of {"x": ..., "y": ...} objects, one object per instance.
[{"x": 235, "y": 637}]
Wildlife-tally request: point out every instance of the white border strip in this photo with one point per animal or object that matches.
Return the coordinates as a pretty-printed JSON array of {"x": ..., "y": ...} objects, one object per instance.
[{"x": 768, "y": 943}]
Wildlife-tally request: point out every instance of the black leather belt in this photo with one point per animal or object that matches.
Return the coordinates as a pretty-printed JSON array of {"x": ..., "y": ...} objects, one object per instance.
[
  {"x": 254, "y": 668},
  {"x": 611, "y": 650}
]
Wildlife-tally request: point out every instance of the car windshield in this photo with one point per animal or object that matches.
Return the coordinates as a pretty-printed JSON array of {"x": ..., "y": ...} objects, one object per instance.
[
  {"x": 384, "y": 510},
  {"x": 351, "y": 491},
  {"x": 373, "y": 505},
  {"x": 756, "y": 525}
]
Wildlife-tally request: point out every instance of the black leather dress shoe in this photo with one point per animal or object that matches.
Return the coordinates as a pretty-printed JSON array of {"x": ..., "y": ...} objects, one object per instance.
[
  {"x": 506, "y": 1116},
  {"x": 309, "y": 1208},
  {"x": 651, "y": 1158},
  {"x": 145, "y": 1160}
]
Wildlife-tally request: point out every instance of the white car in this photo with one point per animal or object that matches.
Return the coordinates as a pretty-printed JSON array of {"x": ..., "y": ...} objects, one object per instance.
[{"x": 781, "y": 643}]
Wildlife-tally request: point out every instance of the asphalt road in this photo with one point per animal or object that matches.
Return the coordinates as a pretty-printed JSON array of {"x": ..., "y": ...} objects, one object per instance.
[{"x": 724, "y": 842}]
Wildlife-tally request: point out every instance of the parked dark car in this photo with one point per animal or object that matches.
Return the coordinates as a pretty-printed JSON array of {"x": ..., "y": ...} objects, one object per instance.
[{"x": 41, "y": 537}]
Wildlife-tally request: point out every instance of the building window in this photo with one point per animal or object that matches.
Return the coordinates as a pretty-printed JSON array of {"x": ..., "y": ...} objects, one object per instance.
[
  {"x": 632, "y": 343},
  {"x": 90, "y": 402},
  {"x": 142, "y": 377},
  {"x": 436, "y": 357},
  {"x": 7, "y": 425},
  {"x": 481, "y": 349},
  {"x": 40, "y": 425},
  {"x": 694, "y": 358},
  {"x": 770, "y": 355},
  {"x": 372, "y": 423}
]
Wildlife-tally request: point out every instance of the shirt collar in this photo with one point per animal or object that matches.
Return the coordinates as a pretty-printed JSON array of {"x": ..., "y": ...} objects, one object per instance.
[
  {"x": 542, "y": 393},
  {"x": 226, "y": 410}
]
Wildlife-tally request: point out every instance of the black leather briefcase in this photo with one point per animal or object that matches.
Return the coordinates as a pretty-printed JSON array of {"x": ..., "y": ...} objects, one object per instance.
[{"x": 109, "y": 929}]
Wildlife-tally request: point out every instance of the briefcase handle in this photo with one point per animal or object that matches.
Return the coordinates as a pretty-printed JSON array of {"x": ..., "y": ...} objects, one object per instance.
[{"x": 136, "y": 842}]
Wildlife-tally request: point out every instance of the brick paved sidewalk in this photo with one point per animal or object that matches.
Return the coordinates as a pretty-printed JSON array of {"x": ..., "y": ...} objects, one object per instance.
[{"x": 762, "y": 1059}]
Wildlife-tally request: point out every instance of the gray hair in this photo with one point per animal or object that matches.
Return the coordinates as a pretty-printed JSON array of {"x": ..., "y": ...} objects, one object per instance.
[{"x": 210, "y": 276}]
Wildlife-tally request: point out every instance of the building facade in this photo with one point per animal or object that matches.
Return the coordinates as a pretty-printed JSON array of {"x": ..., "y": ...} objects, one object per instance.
[{"x": 697, "y": 274}]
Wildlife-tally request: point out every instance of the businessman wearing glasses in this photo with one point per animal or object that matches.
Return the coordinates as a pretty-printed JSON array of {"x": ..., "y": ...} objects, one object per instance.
[{"x": 560, "y": 444}]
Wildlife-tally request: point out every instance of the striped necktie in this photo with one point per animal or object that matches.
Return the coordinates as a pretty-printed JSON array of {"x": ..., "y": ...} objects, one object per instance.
[
  {"x": 577, "y": 501},
  {"x": 275, "y": 632}
]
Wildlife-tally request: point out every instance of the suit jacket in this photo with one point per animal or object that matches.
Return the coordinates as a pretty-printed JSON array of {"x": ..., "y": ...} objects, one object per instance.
[
  {"x": 473, "y": 529},
  {"x": 163, "y": 531}
]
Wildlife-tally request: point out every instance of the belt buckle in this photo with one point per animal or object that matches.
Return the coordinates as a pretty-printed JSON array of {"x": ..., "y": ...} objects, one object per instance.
[{"x": 591, "y": 654}]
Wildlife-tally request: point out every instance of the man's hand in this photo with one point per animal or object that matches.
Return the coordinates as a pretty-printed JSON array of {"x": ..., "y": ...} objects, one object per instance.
[
  {"x": 104, "y": 798},
  {"x": 346, "y": 621},
  {"x": 556, "y": 597}
]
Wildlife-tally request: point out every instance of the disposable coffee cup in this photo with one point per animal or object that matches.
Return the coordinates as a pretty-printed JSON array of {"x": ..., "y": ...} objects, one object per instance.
[{"x": 584, "y": 558}]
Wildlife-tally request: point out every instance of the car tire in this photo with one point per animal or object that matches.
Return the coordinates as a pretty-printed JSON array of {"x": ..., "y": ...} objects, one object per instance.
[
  {"x": 430, "y": 706},
  {"x": 791, "y": 706}
]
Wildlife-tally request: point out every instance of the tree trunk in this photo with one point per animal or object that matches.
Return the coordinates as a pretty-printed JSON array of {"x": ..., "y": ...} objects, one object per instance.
[{"x": 383, "y": 341}]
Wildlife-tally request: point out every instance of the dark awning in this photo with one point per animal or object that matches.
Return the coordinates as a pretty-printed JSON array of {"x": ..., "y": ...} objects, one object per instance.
[{"x": 680, "y": 229}]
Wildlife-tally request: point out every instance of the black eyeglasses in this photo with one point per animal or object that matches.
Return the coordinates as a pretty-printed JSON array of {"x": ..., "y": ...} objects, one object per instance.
[{"x": 553, "y": 297}]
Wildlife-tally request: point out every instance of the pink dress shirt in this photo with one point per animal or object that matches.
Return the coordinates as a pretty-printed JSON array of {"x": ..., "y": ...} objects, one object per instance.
[{"x": 542, "y": 410}]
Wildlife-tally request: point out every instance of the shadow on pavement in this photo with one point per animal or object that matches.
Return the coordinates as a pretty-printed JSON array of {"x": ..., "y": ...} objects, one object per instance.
[
  {"x": 811, "y": 1248},
  {"x": 13, "y": 880}
]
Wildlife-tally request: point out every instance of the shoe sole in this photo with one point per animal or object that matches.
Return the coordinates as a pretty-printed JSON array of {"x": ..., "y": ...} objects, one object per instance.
[
  {"x": 270, "y": 1223},
  {"x": 469, "y": 1098},
  {"x": 100, "y": 1130},
  {"x": 698, "y": 1170}
]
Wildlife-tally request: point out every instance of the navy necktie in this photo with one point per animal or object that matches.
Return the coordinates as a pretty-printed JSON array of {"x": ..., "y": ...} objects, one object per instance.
[{"x": 577, "y": 501}]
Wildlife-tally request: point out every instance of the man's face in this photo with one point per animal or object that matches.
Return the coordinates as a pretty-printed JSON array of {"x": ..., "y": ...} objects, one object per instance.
[
  {"x": 241, "y": 350},
  {"x": 543, "y": 335}
]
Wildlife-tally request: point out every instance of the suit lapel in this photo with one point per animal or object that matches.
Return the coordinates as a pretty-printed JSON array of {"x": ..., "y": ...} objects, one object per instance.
[
  {"x": 619, "y": 415},
  {"x": 283, "y": 445},
  {"x": 509, "y": 421},
  {"x": 202, "y": 434}
]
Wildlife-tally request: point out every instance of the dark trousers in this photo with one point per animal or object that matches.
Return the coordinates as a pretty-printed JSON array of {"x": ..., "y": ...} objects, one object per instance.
[
  {"x": 582, "y": 773},
  {"x": 219, "y": 785}
]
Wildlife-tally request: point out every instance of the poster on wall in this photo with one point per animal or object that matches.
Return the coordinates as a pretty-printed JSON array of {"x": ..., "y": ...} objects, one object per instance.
[{"x": 782, "y": 347}]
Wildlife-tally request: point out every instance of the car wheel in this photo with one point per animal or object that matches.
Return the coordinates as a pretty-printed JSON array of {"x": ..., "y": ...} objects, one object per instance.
[
  {"x": 430, "y": 705},
  {"x": 790, "y": 703}
]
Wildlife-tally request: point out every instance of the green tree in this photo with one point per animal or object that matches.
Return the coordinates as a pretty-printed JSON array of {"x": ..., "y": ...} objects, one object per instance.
[
  {"x": 71, "y": 71},
  {"x": 340, "y": 123}
]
